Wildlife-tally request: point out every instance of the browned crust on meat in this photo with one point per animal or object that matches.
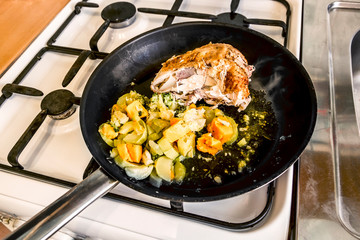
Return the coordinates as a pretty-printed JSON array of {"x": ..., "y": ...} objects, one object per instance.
[
  {"x": 209, "y": 55},
  {"x": 236, "y": 80},
  {"x": 203, "y": 55}
]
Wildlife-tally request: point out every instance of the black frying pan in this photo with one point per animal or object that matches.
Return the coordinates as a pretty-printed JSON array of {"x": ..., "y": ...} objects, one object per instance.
[{"x": 278, "y": 72}]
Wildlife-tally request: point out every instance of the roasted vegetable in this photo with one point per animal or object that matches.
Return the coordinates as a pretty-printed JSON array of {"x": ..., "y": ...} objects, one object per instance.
[
  {"x": 130, "y": 152},
  {"x": 208, "y": 144},
  {"x": 235, "y": 131},
  {"x": 154, "y": 179},
  {"x": 135, "y": 152},
  {"x": 242, "y": 142},
  {"x": 146, "y": 158},
  {"x": 163, "y": 101},
  {"x": 127, "y": 127},
  {"x": 158, "y": 124},
  {"x": 221, "y": 129},
  {"x": 117, "y": 117},
  {"x": 123, "y": 163},
  {"x": 194, "y": 118},
  {"x": 165, "y": 168},
  {"x": 155, "y": 148},
  {"x": 186, "y": 145},
  {"x": 128, "y": 98},
  {"x": 167, "y": 148},
  {"x": 160, "y": 137},
  {"x": 107, "y": 133},
  {"x": 136, "y": 111},
  {"x": 169, "y": 101},
  {"x": 176, "y": 131},
  {"x": 139, "y": 135},
  {"x": 139, "y": 172},
  {"x": 180, "y": 171},
  {"x": 163, "y": 108}
]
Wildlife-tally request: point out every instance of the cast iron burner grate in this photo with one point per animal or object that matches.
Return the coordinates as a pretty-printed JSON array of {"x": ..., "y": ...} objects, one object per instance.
[
  {"x": 228, "y": 17},
  {"x": 58, "y": 105},
  {"x": 115, "y": 15},
  {"x": 66, "y": 107}
]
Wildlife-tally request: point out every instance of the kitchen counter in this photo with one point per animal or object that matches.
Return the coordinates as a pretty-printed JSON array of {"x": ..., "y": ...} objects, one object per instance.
[
  {"x": 317, "y": 215},
  {"x": 20, "y": 22}
]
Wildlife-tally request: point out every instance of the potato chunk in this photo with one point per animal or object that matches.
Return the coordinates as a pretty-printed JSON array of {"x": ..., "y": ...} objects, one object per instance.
[{"x": 176, "y": 131}]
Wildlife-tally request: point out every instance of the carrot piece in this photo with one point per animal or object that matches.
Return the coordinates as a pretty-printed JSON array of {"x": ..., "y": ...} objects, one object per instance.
[
  {"x": 136, "y": 110},
  {"x": 108, "y": 131},
  {"x": 192, "y": 106},
  {"x": 123, "y": 152},
  {"x": 130, "y": 152},
  {"x": 115, "y": 108},
  {"x": 174, "y": 121},
  {"x": 221, "y": 129},
  {"x": 207, "y": 143},
  {"x": 135, "y": 152}
]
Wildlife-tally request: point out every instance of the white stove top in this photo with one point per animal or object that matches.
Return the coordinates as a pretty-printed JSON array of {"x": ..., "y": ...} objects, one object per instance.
[{"x": 58, "y": 150}]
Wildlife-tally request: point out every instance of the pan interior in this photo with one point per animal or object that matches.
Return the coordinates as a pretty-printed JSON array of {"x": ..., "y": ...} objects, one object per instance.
[{"x": 278, "y": 73}]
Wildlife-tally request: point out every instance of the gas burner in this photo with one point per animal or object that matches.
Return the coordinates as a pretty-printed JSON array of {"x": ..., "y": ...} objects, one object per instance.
[
  {"x": 119, "y": 14},
  {"x": 59, "y": 104},
  {"x": 115, "y": 15}
]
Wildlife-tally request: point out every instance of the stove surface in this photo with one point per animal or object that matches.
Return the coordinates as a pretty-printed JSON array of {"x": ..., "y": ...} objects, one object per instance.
[{"x": 57, "y": 149}]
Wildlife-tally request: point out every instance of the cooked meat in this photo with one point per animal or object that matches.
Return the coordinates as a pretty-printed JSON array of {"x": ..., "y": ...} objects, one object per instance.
[{"x": 217, "y": 73}]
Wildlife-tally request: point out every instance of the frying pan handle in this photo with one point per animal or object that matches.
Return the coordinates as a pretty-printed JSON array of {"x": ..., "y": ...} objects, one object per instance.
[{"x": 52, "y": 218}]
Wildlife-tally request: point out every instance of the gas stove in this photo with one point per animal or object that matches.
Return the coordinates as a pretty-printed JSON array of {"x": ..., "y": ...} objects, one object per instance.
[{"x": 43, "y": 153}]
